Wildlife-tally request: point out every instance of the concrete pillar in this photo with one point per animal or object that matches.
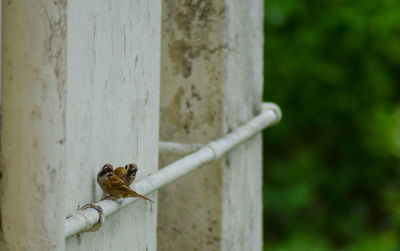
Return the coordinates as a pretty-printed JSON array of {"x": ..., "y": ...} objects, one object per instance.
[
  {"x": 34, "y": 127},
  {"x": 242, "y": 170},
  {"x": 211, "y": 82},
  {"x": 113, "y": 51}
]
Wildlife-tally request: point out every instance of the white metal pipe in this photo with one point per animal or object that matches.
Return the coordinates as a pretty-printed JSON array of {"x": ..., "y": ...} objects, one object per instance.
[
  {"x": 178, "y": 148},
  {"x": 83, "y": 220}
]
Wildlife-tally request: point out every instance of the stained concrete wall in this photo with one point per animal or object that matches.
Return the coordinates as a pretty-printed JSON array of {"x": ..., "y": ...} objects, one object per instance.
[
  {"x": 192, "y": 74},
  {"x": 211, "y": 82},
  {"x": 113, "y": 77}
]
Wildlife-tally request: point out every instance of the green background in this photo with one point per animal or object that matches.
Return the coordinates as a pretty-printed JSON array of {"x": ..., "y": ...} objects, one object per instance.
[{"x": 331, "y": 167}]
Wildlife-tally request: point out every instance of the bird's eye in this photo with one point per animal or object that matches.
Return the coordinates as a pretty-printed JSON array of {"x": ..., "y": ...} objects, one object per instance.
[{"x": 109, "y": 174}]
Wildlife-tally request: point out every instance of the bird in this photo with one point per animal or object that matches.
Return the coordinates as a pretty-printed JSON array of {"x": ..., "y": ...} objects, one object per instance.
[
  {"x": 127, "y": 173},
  {"x": 114, "y": 186}
]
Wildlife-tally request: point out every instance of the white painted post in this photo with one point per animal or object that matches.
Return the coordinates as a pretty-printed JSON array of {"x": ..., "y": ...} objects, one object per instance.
[
  {"x": 113, "y": 51},
  {"x": 242, "y": 170},
  {"x": 33, "y": 137},
  {"x": 211, "y": 82}
]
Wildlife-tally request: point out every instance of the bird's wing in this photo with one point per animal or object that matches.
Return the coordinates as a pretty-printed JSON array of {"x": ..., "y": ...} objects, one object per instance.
[{"x": 116, "y": 183}]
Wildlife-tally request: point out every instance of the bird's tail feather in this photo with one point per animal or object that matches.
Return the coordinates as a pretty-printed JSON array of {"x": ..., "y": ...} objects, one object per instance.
[{"x": 135, "y": 194}]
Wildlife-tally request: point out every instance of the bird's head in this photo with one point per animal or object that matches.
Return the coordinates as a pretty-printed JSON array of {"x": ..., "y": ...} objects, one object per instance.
[
  {"x": 106, "y": 170},
  {"x": 131, "y": 169}
]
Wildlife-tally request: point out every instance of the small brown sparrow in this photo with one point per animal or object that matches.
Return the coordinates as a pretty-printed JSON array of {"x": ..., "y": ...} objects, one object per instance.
[
  {"x": 126, "y": 173},
  {"x": 113, "y": 185}
]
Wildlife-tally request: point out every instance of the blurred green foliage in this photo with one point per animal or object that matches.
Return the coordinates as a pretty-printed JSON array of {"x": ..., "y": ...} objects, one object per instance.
[{"x": 331, "y": 167}]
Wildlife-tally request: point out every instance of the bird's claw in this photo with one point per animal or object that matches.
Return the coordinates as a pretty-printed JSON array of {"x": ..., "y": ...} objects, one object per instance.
[
  {"x": 99, "y": 209},
  {"x": 110, "y": 197}
]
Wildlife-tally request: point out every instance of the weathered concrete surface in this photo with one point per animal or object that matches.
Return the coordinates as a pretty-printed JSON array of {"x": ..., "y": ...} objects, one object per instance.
[
  {"x": 113, "y": 111},
  {"x": 211, "y": 82},
  {"x": 192, "y": 70},
  {"x": 34, "y": 126},
  {"x": 242, "y": 179}
]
